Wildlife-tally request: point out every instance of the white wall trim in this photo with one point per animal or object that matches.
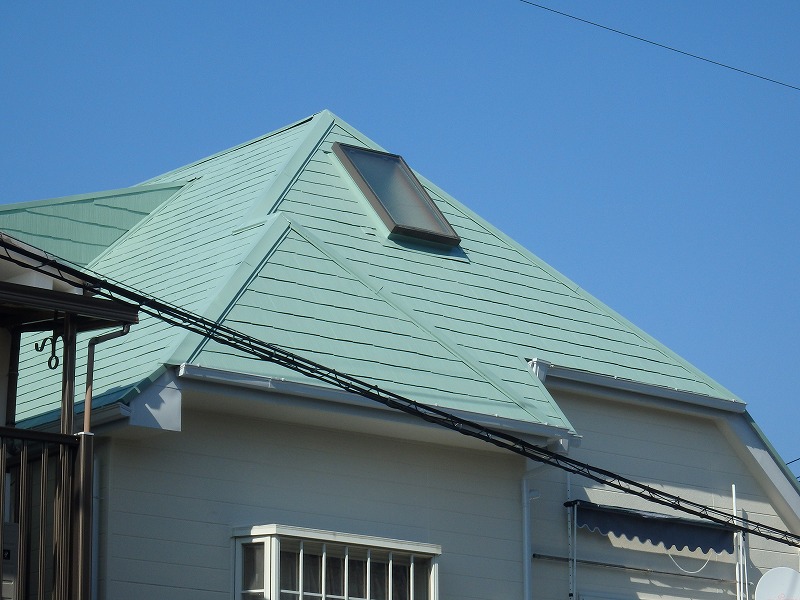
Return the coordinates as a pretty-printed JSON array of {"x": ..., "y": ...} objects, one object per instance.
[
  {"x": 626, "y": 390},
  {"x": 341, "y": 397},
  {"x": 344, "y": 539}
]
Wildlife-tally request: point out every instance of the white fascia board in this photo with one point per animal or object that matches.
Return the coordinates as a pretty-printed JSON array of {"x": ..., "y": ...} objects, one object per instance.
[
  {"x": 158, "y": 407},
  {"x": 626, "y": 390},
  {"x": 25, "y": 271},
  {"x": 756, "y": 451},
  {"x": 336, "y": 396},
  {"x": 344, "y": 539}
]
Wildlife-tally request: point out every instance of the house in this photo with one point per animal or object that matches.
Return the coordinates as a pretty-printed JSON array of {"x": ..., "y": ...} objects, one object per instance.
[
  {"x": 48, "y": 481},
  {"x": 219, "y": 475}
]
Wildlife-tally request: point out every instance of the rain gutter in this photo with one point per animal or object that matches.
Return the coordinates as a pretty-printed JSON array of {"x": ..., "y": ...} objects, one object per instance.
[
  {"x": 614, "y": 388},
  {"x": 317, "y": 392}
]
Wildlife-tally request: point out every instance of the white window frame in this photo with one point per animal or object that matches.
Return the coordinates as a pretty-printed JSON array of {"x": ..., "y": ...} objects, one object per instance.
[{"x": 270, "y": 536}]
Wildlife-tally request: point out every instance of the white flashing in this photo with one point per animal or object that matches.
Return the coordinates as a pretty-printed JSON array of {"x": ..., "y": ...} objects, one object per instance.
[
  {"x": 556, "y": 375},
  {"x": 345, "y": 539},
  {"x": 159, "y": 405},
  {"x": 318, "y": 392}
]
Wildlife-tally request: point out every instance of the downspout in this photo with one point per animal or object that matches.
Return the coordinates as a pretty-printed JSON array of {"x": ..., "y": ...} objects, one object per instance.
[
  {"x": 87, "y": 405},
  {"x": 528, "y": 495},
  {"x": 95, "y": 530},
  {"x": 89, "y": 531}
]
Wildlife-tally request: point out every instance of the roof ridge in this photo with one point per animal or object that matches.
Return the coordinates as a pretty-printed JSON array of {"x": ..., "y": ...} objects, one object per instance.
[
  {"x": 291, "y": 169},
  {"x": 278, "y": 226},
  {"x": 232, "y": 149},
  {"x": 687, "y": 366},
  {"x": 230, "y": 289},
  {"x": 460, "y": 353},
  {"x": 58, "y": 200},
  {"x": 557, "y": 276},
  {"x": 243, "y": 236},
  {"x": 261, "y": 213},
  {"x": 80, "y": 227},
  {"x": 178, "y": 185}
]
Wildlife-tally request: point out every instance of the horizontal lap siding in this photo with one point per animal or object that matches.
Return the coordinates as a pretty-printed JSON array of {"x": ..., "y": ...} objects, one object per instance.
[
  {"x": 659, "y": 447},
  {"x": 682, "y": 455},
  {"x": 175, "y": 498}
]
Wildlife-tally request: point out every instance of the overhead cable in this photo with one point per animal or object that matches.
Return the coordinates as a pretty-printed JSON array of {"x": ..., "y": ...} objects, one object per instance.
[
  {"x": 232, "y": 338},
  {"x": 664, "y": 46}
]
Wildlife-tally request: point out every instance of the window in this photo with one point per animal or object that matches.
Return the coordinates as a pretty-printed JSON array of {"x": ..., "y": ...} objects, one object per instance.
[
  {"x": 291, "y": 563},
  {"x": 396, "y": 195}
]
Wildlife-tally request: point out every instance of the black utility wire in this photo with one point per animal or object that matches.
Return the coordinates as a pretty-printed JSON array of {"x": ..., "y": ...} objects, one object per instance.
[
  {"x": 664, "y": 46},
  {"x": 222, "y": 334}
]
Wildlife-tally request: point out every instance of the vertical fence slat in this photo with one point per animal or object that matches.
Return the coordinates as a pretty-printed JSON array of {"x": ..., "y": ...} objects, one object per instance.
[
  {"x": 83, "y": 517},
  {"x": 43, "y": 476},
  {"x": 44, "y": 559},
  {"x": 23, "y": 496},
  {"x": 3, "y": 448},
  {"x": 62, "y": 510}
]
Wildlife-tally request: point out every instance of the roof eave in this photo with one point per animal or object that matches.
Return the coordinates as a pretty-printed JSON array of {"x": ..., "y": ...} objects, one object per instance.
[
  {"x": 625, "y": 390},
  {"x": 547, "y": 433}
]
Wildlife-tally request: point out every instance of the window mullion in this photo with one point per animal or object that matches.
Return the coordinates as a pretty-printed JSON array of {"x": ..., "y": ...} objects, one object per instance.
[
  {"x": 389, "y": 591},
  {"x": 369, "y": 574},
  {"x": 274, "y": 568},
  {"x": 337, "y": 570},
  {"x": 411, "y": 579},
  {"x": 347, "y": 572},
  {"x": 300, "y": 571},
  {"x": 266, "y": 565}
]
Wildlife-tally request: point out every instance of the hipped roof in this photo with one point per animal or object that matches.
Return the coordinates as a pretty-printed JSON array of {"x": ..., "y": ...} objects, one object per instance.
[{"x": 272, "y": 237}]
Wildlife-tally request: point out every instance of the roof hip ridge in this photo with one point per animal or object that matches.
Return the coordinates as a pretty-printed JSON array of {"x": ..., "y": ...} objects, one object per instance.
[
  {"x": 458, "y": 352},
  {"x": 530, "y": 257}
]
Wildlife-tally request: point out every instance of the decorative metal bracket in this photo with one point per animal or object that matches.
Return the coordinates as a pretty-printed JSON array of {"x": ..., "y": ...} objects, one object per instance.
[{"x": 53, "y": 361}]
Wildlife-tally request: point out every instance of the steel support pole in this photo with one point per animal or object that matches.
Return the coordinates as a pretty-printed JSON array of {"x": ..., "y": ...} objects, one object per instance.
[
  {"x": 23, "y": 544},
  {"x": 70, "y": 340},
  {"x": 13, "y": 379},
  {"x": 82, "y": 571},
  {"x": 62, "y": 521}
]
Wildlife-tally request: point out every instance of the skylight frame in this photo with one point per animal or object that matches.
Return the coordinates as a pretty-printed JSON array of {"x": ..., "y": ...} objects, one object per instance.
[{"x": 444, "y": 235}]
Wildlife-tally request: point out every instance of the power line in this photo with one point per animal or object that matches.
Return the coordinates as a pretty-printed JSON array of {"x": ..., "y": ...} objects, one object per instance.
[
  {"x": 232, "y": 338},
  {"x": 664, "y": 46}
]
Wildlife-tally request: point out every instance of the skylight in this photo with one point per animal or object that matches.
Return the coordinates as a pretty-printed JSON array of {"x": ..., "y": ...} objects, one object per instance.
[{"x": 396, "y": 195}]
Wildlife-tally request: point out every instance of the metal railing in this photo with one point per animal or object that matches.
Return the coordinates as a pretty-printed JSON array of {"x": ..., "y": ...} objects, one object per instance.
[{"x": 45, "y": 493}]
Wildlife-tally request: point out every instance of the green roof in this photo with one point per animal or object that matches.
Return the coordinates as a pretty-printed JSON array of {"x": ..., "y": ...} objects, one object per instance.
[
  {"x": 273, "y": 238},
  {"x": 78, "y": 228}
]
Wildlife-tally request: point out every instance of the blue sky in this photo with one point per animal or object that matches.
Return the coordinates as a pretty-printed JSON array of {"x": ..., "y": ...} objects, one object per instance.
[{"x": 663, "y": 185}]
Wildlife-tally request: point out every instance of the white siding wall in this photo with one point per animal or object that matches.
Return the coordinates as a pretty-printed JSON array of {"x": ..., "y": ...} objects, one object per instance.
[
  {"x": 171, "y": 502},
  {"x": 680, "y": 454}
]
